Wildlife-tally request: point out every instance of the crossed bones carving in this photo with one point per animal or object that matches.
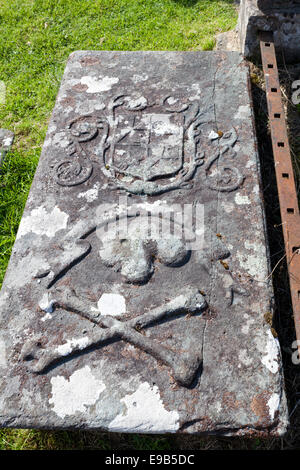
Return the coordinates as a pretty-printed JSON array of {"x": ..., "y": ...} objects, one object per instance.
[{"x": 184, "y": 366}]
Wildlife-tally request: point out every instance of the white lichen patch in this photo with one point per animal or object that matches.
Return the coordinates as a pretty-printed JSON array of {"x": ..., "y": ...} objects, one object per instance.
[
  {"x": 273, "y": 404},
  {"x": 43, "y": 222},
  {"x": 161, "y": 126},
  {"x": 46, "y": 304},
  {"x": 171, "y": 100},
  {"x": 60, "y": 139},
  {"x": 3, "y": 360},
  {"x": 155, "y": 207},
  {"x": 218, "y": 407},
  {"x": 106, "y": 172},
  {"x": 250, "y": 163},
  {"x": 213, "y": 135},
  {"x": 254, "y": 261},
  {"x": 112, "y": 304},
  {"x": 227, "y": 281},
  {"x": 136, "y": 103},
  {"x": 140, "y": 78},
  {"x": 89, "y": 107},
  {"x": 228, "y": 207},
  {"x": 90, "y": 195},
  {"x": 28, "y": 267},
  {"x": 46, "y": 317},
  {"x": 75, "y": 394},
  {"x": 247, "y": 325},
  {"x": 242, "y": 200},
  {"x": 98, "y": 85},
  {"x": 244, "y": 358},
  {"x": 195, "y": 88},
  {"x": 52, "y": 128},
  {"x": 3, "y": 298},
  {"x": 68, "y": 347},
  {"x": 244, "y": 112},
  {"x": 271, "y": 357},
  {"x": 145, "y": 412}
]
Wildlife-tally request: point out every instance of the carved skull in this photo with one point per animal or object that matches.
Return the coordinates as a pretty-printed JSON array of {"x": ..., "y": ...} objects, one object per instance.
[{"x": 134, "y": 255}]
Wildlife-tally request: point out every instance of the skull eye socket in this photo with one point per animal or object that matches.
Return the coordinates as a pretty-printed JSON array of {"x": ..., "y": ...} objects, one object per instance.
[{"x": 28, "y": 357}]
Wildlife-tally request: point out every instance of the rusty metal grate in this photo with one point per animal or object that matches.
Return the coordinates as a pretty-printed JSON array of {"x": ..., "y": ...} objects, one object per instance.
[{"x": 288, "y": 200}]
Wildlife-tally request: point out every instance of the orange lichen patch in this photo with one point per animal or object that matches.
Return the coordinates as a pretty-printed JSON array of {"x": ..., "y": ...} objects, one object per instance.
[
  {"x": 274, "y": 333},
  {"x": 259, "y": 406},
  {"x": 229, "y": 401},
  {"x": 68, "y": 102},
  {"x": 224, "y": 264},
  {"x": 268, "y": 317},
  {"x": 80, "y": 87},
  {"x": 89, "y": 61}
]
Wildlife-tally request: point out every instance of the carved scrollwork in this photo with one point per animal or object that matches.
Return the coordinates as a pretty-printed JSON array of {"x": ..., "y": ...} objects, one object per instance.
[
  {"x": 224, "y": 177},
  {"x": 83, "y": 129},
  {"x": 78, "y": 167},
  {"x": 151, "y": 152},
  {"x": 72, "y": 172}
]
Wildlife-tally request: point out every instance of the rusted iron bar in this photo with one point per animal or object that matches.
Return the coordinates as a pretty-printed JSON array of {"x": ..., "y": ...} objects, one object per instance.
[{"x": 287, "y": 193}]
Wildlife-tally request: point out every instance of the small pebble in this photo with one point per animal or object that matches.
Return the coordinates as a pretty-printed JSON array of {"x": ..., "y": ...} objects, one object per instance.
[{"x": 213, "y": 135}]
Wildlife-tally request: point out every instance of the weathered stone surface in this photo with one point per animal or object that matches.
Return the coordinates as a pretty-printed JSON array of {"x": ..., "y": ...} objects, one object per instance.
[
  {"x": 282, "y": 17},
  {"x": 143, "y": 334},
  {"x": 6, "y": 141}
]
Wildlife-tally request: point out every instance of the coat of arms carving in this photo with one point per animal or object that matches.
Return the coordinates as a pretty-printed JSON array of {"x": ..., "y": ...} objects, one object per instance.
[{"x": 146, "y": 147}]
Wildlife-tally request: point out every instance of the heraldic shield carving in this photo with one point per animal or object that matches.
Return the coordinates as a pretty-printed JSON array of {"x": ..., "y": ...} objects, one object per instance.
[{"x": 148, "y": 147}]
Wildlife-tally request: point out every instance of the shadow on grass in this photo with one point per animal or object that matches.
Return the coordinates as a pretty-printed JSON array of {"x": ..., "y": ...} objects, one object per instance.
[
  {"x": 192, "y": 3},
  {"x": 21, "y": 439}
]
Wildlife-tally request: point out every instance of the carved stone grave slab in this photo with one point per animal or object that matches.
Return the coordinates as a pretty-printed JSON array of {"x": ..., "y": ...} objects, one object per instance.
[{"x": 106, "y": 324}]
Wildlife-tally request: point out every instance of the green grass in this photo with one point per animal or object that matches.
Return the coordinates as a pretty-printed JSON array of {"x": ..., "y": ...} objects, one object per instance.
[
  {"x": 36, "y": 38},
  {"x": 23, "y": 439}
]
